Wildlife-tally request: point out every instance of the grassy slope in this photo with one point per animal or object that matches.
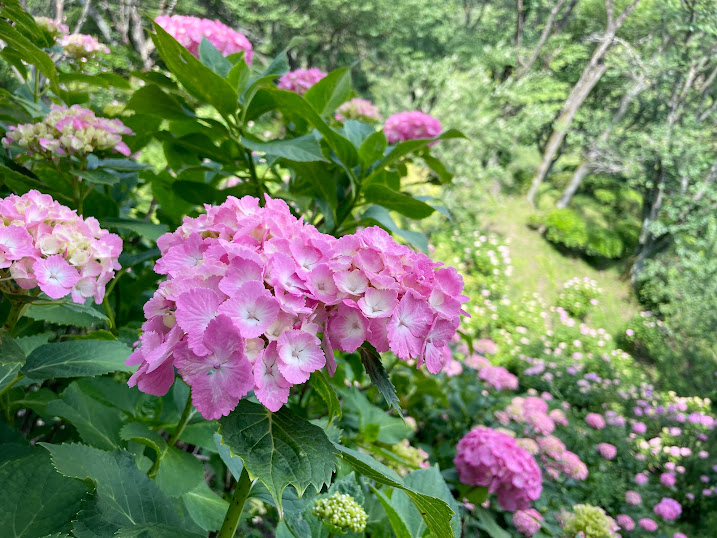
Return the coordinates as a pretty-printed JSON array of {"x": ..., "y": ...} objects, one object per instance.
[{"x": 540, "y": 268}]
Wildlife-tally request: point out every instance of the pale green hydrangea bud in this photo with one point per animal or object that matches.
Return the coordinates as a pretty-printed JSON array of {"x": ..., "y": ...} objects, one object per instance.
[
  {"x": 341, "y": 513},
  {"x": 591, "y": 521},
  {"x": 416, "y": 457}
]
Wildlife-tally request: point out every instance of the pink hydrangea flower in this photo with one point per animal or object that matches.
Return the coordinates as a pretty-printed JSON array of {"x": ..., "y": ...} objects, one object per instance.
[
  {"x": 607, "y": 450},
  {"x": 679, "y": 535},
  {"x": 527, "y": 522},
  {"x": 45, "y": 244},
  {"x": 411, "y": 126},
  {"x": 647, "y": 524},
  {"x": 641, "y": 479},
  {"x": 668, "y": 509},
  {"x": 189, "y": 32},
  {"x": 595, "y": 420},
  {"x": 83, "y": 47},
  {"x": 358, "y": 109},
  {"x": 498, "y": 377},
  {"x": 639, "y": 428},
  {"x": 667, "y": 479},
  {"x": 69, "y": 131},
  {"x": 573, "y": 466},
  {"x": 633, "y": 498},
  {"x": 626, "y": 522},
  {"x": 300, "y": 80},
  {"x": 486, "y": 457},
  {"x": 292, "y": 295}
]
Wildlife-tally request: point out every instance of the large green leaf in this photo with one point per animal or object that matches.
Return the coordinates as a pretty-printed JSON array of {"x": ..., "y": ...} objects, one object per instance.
[
  {"x": 279, "y": 448},
  {"x": 435, "y": 512},
  {"x": 487, "y": 522},
  {"x": 37, "y": 500},
  {"x": 198, "y": 79},
  {"x": 398, "y": 523},
  {"x": 12, "y": 358},
  {"x": 213, "y": 59},
  {"x": 375, "y": 193},
  {"x": 97, "y": 424},
  {"x": 372, "y": 148},
  {"x": 301, "y": 149},
  {"x": 67, "y": 313},
  {"x": 77, "y": 358},
  {"x": 148, "y": 230},
  {"x": 372, "y": 419},
  {"x": 332, "y": 90},
  {"x": 125, "y": 495}
]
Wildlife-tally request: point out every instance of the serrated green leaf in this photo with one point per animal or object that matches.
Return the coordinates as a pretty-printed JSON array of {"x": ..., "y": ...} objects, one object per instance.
[
  {"x": 372, "y": 148},
  {"x": 77, "y": 358},
  {"x": 389, "y": 429},
  {"x": 399, "y": 526},
  {"x": 37, "y": 500},
  {"x": 301, "y": 149},
  {"x": 98, "y": 177},
  {"x": 29, "y": 51},
  {"x": 155, "y": 530},
  {"x": 179, "y": 472},
  {"x": 97, "y": 424},
  {"x": 79, "y": 315},
  {"x": 435, "y": 512},
  {"x": 371, "y": 361},
  {"x": 279, "y": 448},
  {"x": 125, "y": 495},
  {"x": 197, "y": 79},
  {"x": 140, "y": 433},
  {"x": 233, "y": 463},
  {"x": 327, "y": 393}
]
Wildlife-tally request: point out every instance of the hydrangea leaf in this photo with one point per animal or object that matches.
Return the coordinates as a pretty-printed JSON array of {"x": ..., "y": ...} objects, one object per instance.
[
  {"x": 332, "y": 90},
  {"x": 205, "y": 507},
  {"x": 66, "y": 313},
  {"x": 77, "y": 358},
  {"x": 37, "y": 500},
  {"x": 279, "y": 448},
  {"x": 327, "y": 393}
]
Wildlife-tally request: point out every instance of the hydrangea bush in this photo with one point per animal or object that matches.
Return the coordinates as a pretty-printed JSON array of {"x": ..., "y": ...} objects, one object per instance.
[{"x": 222, "y": 316}]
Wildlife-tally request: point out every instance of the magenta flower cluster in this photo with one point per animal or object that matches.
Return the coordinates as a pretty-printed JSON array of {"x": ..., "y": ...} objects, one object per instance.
[
  {"x": 249, "y": 290},
  {"x": 45, "y": 244},
  {"x": 300, "y": 80},
  {"x": 411, "y": 126},
  {"x": 595, "y": 420},
  {"x": 489, "y": 458},
  {"x": 498, "y": 378},
  {"x": 69, "y": 131},
  {"x": 668, "y": 509},
  {"x": 189, "y": 32},
  {"x": 607, "y": 451}
]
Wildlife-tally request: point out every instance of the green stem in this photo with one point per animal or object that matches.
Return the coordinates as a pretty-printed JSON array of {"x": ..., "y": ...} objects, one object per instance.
[
  {"x": 36, "y": 89},
  {"x": 18, "y": 377},
  {"x": 231, "y": 520},
  {"x": 182, "y": 422},
  {"x": 17, "y": 309}
]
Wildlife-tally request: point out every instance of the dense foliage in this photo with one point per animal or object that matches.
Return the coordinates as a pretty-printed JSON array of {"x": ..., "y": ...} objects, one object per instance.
[{"x": 225, "y": 305}]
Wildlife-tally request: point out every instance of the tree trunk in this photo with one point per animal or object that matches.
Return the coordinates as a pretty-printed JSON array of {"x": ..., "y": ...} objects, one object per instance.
[
  {"x": 588, "y": 79},
  {"x": 520, "y": 23},
  {"x": 543, "y": 38},
  {"x": 580, "y": 173}
]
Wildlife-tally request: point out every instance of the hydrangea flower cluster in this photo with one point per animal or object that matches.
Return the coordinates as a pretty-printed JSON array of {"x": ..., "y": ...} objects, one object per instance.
[
  {"x": 578, "y": 295},
  {"x": 358, "y": 109},
  {"x": 416, "y": 457},
  {"x": 83, "y": 47},
  {"x": 498, "y": 378},
  {"x": 55, "y": 29},
  {"x": 411, "y": 126},
  {"x": 607, "y": 451},
  {"x": 647, "y": 524},
  {"x": 591, "y": 521},
  {"x": 527, "y": 522},
  {"x": 531, "y": 411},
  {"x": 668, "y": 509},
  {"x": 249, "y": 290},
  {"x": 595, "y": 421},
  {"x": 341, "y": 512},
  {"x": 69, "y": 131},
  {"x": 189, "y": 32},
  {"x": 300, "y": 80},
  {"x": 625, "y": 522},
  {"x": 45, "y": 244},
  {"x": 489, "y": 458},
  {"x": 633, "y": 498}
]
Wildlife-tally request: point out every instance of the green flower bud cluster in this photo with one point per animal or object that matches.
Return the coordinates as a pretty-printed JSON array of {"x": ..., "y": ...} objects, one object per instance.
[
  {"x": 416, "y": 457},
  {"x": 341, "y": 513},
  {"x": 591, "y": 521}
]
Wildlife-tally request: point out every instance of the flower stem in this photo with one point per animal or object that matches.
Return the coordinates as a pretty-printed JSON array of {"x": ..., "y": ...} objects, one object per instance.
[
  {"x": 182, "y": 422},
  {"x": 10, "y": 385},
  {"x": 231, "y": 520},
  {"x": 17, "y": 309}
]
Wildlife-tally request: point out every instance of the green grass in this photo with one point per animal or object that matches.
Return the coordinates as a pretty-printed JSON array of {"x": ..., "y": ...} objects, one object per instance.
[{"x": 540, "y": 268}]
